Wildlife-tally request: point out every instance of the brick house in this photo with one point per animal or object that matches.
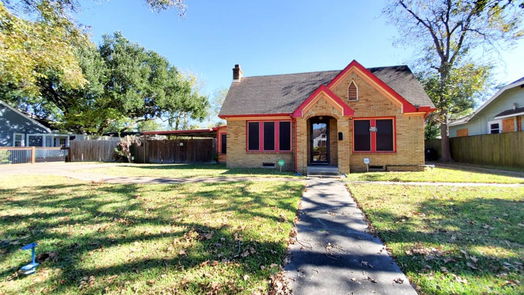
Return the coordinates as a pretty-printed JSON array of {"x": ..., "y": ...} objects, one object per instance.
[{"x": 329, "y": 118}]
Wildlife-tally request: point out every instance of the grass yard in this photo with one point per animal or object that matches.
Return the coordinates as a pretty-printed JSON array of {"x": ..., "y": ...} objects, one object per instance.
[
  {"x": 202, "y": 238},
  {"x": 186, "y": 171},
  {"x": 451, "y": 240},
  {"x": 435, "y": 175}
]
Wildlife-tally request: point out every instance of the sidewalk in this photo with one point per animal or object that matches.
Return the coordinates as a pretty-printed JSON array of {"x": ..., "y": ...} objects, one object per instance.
[{"x": 334, "y": 253}]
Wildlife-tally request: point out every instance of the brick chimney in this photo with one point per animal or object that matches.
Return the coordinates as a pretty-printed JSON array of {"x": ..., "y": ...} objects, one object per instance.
[{"x": 237, "y": 73}]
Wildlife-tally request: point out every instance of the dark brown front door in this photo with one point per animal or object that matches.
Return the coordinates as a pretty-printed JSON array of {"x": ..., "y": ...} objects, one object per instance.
[{"x": 319, "y": 141}]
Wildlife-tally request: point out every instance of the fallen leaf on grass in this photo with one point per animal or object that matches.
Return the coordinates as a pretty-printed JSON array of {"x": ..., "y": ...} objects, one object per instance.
[
  {"x": 471, "y": 265},
  {"x": 512, "y": 283}
]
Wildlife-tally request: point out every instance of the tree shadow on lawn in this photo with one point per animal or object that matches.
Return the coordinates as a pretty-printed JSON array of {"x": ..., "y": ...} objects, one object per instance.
[
  {"x": 213, "y": 168},
  {"x": 478, "y": 239},
  {"x": 105, "y": 218}
]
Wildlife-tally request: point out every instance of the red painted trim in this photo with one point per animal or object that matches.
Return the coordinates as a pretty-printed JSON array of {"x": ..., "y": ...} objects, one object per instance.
[
  {"x": 219, "y": 142},
  {"x": 373, "y": 135},
  {"x": 276, "y": 134},
  {"x": 347, "y": 111},
  {"x": 261, "y": 136},
  {"x": 406, "y": 105},
  {"x": 294, "y": 141},
  {"x": 254, "y": 115}
]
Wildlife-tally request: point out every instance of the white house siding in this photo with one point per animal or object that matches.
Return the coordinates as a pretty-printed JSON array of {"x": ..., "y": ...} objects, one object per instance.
[{"x": 479, "y": 123}]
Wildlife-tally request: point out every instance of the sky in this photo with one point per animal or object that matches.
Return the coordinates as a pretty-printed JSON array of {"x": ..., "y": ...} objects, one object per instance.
[{"x": 266, "y": 36}]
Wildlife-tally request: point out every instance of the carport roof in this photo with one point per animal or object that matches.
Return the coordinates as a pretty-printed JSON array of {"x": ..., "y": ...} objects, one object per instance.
[{"x": 208, "y": 132}]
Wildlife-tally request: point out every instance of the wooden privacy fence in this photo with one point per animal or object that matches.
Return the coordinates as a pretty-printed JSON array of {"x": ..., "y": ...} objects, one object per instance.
[
  {"x": 19, "y": 155},
  {"x": 92, "y": 150},
  {"x": 504, "y": 149},
  {"x": 175, "y": 151}
]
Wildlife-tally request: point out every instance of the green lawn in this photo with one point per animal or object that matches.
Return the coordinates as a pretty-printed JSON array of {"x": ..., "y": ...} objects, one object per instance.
[
  {"x": 451, "y": 240},
  {"x": 435, "y": 175},
  {"x": 186, "y": 171},
  {"x": 203, "y": 238}
]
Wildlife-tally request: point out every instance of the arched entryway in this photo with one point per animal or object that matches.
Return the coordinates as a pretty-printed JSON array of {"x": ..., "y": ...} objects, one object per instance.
[{"x": 322, "y": 141}]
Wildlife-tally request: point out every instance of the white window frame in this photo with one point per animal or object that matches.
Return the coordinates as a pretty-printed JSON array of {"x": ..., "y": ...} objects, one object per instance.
[
  {"x": 356, "y": 86},
  {"x": 495, "y": 122},
  {"x": 14, "y": 138},
  {"x": 53, "y": 136}
]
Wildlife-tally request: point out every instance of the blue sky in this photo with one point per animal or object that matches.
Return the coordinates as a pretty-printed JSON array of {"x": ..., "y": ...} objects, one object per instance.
[{"x": 265, "y": 36}]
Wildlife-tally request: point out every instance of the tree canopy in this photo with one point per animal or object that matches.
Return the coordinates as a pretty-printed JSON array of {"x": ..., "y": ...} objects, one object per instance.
[
  {"x": 126, "y": 84},
  {"x": 50, "y": 68},
  {"x": 447, "y": 33}
]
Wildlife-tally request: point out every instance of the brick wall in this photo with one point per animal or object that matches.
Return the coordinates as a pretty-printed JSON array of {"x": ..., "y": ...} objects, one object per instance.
[
  {"x": 373, "y": 102},
  {"x": 238, "y": 157}
]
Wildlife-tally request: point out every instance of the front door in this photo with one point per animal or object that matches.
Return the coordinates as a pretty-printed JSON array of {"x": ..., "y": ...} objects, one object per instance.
[{"x": 319, "y": 141}]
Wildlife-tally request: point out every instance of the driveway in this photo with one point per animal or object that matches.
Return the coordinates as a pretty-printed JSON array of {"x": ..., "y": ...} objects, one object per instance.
[{"x": 334, "y": 251}]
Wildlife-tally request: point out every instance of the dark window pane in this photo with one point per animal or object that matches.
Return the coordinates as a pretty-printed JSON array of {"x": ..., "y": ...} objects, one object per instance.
[
  {"x": 223, "y": 142},
  {"x": 352, "y": 91},
  {"x": 285, "y": 136},
  {"x": 253, "y": 136},
  {"x": 362, "y": 135},
  {"x": 269, "y": 136},
  {"x": 385, "y": 135}
]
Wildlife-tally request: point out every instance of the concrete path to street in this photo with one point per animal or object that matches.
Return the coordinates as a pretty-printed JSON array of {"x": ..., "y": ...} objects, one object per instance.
[{"x": 334, "y": 251}]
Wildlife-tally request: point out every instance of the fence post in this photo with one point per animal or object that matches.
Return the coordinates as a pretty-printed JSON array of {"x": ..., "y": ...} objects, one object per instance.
[{"x": 33, "y": 155}]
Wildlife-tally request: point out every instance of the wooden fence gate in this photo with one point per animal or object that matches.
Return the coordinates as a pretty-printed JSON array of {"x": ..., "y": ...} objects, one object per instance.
[
  {"x": 92, "y": 150},
  {"x": 175, "y": 151}
]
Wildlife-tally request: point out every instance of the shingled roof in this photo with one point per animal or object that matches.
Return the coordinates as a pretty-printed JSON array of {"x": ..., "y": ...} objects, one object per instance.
[{"x": 282, "y": 94}]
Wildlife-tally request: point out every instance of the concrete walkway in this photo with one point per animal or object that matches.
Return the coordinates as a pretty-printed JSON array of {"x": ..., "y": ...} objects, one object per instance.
[
  {"x": 334, "y": 252},
  {"x": 443, "y": 183}
]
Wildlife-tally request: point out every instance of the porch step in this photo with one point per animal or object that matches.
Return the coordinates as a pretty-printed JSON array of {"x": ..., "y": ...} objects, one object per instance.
[{"x": 322, "y": 171}]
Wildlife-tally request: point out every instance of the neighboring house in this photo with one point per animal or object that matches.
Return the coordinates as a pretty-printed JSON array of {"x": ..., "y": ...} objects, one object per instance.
[
  {"x": 19, "y": 130},
  {"x": 504, "y": 112},
  {"x": 375, "y": 113}
]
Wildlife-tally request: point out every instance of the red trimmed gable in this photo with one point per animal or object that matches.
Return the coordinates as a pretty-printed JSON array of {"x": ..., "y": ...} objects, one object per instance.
[
  {"x": 407, "y": 107},
  {"x": 347, "y": 111}
]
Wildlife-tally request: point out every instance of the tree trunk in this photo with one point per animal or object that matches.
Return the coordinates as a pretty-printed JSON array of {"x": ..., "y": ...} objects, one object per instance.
[{"x": 444, "y": 142}]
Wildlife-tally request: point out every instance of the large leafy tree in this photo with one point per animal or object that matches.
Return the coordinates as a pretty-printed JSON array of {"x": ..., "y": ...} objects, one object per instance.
[
  {"x": 466, "y": 86},
  {"x": 127, "y": 84},
  {"x": 38, "y": 37},
  {"x": 448, "y": 33}
]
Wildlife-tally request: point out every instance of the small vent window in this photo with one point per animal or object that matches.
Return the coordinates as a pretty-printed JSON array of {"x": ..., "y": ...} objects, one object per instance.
[{"x": 352, "y": 91}]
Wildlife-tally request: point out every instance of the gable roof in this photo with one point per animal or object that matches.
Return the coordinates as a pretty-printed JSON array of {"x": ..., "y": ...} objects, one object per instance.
[
  {"x": 283, "y": 94},
  {"x": 464, "y": 120},
  {"x": 346, "y": 110},
  {"x": 25, "y": 116}
]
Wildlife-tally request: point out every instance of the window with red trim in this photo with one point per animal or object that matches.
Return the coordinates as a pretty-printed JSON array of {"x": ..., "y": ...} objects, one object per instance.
[
  {"x": 272, "y": 136},
  {"x": 223, "y": 143},
  {"x": 374, "y": 135}
]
